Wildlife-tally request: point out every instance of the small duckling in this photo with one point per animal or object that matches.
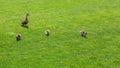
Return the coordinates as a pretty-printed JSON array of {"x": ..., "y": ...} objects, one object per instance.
[
  {"x": 47, "y": 32},
  {"x": 18, "y": 37},
  {"x": 83, "y": 33}
]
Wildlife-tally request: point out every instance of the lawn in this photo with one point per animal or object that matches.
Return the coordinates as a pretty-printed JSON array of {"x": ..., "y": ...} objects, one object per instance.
[{"x": 64, "y": 48}]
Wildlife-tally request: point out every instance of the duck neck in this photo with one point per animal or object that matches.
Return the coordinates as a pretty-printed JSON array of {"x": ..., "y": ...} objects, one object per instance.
[{"x": 26, "y": 18}]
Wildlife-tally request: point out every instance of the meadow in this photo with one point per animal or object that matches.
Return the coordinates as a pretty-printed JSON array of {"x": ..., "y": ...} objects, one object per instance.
[{"x": 64, "y": 48}]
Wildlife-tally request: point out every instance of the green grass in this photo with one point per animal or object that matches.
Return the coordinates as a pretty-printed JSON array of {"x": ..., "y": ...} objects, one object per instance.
[{"x": 64, "y": 48}]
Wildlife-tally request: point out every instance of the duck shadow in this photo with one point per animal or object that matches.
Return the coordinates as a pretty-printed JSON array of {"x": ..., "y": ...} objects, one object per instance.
[
  {"x": 85, "y": 37},
  {"x": 25, "y": 26},
  {"x": 18, "y": 40}
]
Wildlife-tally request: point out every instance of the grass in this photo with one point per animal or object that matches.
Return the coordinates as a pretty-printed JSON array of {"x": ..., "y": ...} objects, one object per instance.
[{"x": 64, "y": 48}]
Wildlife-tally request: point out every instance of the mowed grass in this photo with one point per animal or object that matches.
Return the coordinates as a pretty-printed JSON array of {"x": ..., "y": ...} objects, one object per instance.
[{"x": 64, "y": 48}]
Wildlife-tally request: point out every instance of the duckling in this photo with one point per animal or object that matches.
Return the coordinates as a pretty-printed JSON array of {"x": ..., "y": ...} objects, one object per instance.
[
  {"x": 83, "y": 33},
  {"x": 47, "y": 32},
  {"x": 18, "y": 37}
]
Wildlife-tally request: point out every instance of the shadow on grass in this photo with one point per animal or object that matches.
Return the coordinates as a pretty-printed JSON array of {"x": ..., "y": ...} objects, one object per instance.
[
  {"x": 18, "y": 40},
  {"x": 25, "y": 26},
  {"x": 85, "y": 37}
]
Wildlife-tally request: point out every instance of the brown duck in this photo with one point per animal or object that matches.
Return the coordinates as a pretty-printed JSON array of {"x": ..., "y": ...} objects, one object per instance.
[{"x": 25, "y": 22}]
